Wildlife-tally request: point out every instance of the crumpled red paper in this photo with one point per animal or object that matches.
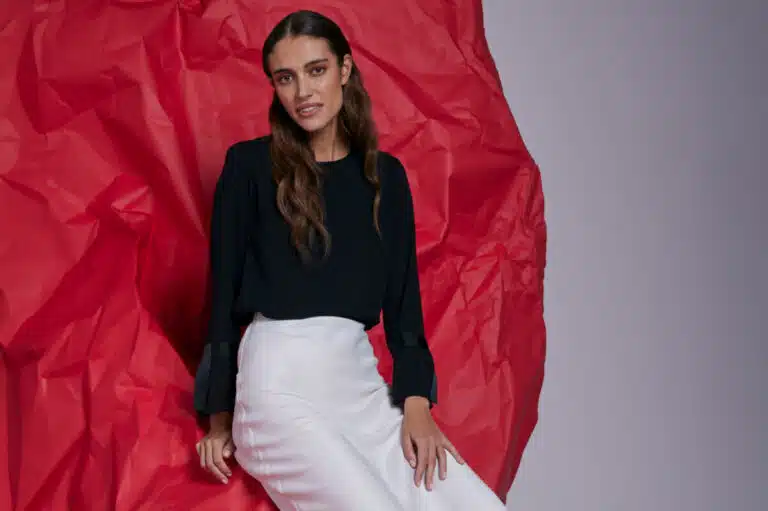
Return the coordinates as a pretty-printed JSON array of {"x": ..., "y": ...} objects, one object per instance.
[{"x": 114, "y": 124}]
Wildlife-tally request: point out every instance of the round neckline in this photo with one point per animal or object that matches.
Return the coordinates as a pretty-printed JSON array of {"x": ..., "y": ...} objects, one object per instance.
[{"x": 337, "y": 161}]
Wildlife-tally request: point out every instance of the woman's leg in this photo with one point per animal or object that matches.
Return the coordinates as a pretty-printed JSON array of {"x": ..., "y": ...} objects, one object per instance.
[
  {"x": 461, "y": 490},
  {"x": 314, "y": 424},
  {"x": 302, "y": 461},
  {"x": 377, "y": 436}
]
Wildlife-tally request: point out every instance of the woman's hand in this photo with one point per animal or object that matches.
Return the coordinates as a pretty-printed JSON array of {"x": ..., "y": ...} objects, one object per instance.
[
  {"x": 216, "y": 446},
  {"x": 419, "y": 431}
]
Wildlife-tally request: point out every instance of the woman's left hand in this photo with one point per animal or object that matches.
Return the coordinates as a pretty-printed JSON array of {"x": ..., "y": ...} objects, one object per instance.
[{"x": 420, "y": 432}]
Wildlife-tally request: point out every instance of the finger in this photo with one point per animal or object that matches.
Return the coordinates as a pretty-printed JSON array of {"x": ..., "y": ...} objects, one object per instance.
[
  {"x": 229, "y": 448},
  {"x": 408, "y": 451},
  {"x": 210, "y": 464},
  {"x": 431, "y": 462},
  {"x": 204, "y": 453},
  {"x": 218, "y": 460},
  {"x": 454, "y": 452},
  {"x": 442, "y": 461},
  {"x": 421, "y": 461}
]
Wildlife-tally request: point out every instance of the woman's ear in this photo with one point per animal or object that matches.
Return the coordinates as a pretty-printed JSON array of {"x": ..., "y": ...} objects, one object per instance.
[{"x": 346, "y": 68}]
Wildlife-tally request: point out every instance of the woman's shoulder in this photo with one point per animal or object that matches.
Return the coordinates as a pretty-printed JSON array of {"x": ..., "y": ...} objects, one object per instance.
[
  {"x": 246, "y": 160},
  {"x": 388, "y": 162},
  {"x": 253, "y": 148},
  {"x": 392, "y": 172}
]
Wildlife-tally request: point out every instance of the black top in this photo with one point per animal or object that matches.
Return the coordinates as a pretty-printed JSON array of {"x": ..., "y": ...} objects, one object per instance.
[{"x": 255, "y": 267}]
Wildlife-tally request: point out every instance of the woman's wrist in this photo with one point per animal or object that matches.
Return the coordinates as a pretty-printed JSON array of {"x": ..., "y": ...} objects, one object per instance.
[
  {"x": 220, "y": 421},
  {"x": 416, "y": 403}
]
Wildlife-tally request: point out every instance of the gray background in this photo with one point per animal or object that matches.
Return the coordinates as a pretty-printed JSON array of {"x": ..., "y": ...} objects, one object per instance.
[{"x": 649, "y": 120}]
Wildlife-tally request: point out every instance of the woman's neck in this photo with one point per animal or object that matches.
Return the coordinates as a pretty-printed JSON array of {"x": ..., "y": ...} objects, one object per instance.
[{"x": 327, "y": 145}]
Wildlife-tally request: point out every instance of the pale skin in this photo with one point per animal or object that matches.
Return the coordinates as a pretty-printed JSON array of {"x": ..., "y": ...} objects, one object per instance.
[{"x": 306, "y": 72}]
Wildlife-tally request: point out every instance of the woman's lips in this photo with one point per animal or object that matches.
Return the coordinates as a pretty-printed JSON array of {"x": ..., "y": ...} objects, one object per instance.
[{"x": 309, "y": 109}]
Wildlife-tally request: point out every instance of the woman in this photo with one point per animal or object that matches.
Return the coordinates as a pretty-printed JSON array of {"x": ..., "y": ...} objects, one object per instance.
[{"x": 312, "y": 238}]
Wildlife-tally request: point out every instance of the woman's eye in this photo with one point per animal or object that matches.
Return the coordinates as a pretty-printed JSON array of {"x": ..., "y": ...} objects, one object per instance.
[
  {"x": 317, "y": 70},
  {"x": 283, "y": 79}
]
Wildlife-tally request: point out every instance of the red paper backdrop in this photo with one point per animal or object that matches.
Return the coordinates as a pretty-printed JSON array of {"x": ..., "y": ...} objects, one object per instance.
[{"x": 113, "y": 129}]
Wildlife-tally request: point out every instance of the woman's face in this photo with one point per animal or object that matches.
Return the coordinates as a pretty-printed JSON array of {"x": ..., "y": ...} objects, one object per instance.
[{"x": 308, "y": 81}]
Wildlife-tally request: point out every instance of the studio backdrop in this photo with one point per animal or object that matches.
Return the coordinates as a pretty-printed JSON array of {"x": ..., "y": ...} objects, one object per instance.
[{"x": 114, "y": 120}]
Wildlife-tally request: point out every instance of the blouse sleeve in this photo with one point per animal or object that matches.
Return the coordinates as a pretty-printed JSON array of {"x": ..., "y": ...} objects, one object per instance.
[
  {"x": 215, "y": 378},
  {"x": 414, "y": 370}
]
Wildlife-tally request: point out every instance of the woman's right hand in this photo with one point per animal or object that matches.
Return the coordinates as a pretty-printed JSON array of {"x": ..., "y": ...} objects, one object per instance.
[{"x": 217, "y": 446}]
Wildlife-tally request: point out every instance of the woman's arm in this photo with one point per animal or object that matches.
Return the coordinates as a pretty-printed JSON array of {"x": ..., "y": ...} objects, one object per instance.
[
  {"x": 215, "y": 379},
  {"x": 414, "y": 370},
  {"x": 414, "y": 380}
]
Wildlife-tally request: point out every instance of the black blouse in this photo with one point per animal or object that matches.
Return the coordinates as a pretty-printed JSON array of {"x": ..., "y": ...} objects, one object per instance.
[{"x": 255, "y": 268}]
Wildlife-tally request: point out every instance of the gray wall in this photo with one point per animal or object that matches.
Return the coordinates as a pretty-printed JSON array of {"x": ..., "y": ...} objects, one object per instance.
[{"x": 650, "y": 123}]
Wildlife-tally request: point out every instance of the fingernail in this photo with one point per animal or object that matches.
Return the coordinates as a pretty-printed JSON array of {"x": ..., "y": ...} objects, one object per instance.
[{"x": 413, "y": 463}]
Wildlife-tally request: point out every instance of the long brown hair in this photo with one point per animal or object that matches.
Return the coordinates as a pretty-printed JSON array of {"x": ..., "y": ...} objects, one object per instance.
[{"x": 294, "y": 168}]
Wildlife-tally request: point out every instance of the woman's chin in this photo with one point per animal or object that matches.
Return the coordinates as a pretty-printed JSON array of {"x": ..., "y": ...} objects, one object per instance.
[{"x": 312, "y": 125}]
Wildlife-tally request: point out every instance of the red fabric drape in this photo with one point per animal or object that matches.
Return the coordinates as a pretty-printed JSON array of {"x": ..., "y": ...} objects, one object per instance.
[{"x": 113, "y": 129}]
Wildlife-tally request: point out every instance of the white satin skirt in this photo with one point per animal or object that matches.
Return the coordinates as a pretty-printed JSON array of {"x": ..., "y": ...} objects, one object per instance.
[{"x": 313, "y": 423}]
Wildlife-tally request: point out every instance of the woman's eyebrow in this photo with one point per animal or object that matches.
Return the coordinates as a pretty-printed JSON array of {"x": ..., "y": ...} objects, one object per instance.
[{"x": 308, "y": 64}]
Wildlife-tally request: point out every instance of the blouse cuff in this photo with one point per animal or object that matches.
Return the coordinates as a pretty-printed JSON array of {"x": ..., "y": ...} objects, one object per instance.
[
  {"x": 413, "y": 373},
  {"x": 215, "y": 379}
]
